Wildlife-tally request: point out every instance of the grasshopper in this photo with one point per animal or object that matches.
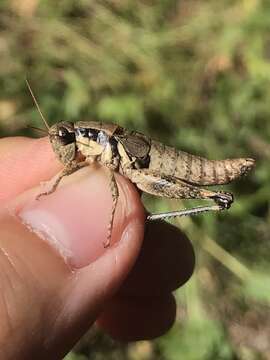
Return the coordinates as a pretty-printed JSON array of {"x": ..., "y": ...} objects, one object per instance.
[{"x": 153, "y": 167}]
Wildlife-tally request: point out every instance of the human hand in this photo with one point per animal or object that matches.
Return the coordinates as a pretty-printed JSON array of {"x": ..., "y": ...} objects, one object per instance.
[{"x": 56, "y": 278}]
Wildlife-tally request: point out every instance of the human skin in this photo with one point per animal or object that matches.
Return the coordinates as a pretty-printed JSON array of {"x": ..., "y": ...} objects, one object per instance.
[{"x": 56, "y": 278}]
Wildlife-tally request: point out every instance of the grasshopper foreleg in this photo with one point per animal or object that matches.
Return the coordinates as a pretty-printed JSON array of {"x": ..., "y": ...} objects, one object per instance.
[
  {"x": 174, "y": 188},
  {"x": 68, "y": 170}
]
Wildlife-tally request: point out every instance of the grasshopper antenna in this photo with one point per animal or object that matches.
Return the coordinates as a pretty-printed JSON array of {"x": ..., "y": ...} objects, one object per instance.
[
  {"x": 36, "y": 103},
  {"x": 39, "y": 129}
]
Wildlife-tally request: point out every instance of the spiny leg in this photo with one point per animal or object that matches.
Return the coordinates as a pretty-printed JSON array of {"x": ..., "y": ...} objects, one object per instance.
[
  {"x": 68, "y": 170},
  {"x": 115, "y": 195},
  {"x": 184, "y": 212},
  {"x": 166, "y": 186}
]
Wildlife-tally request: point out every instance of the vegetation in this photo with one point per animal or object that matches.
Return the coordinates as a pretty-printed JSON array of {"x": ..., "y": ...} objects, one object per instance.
[{"x": 194, "y": 74}]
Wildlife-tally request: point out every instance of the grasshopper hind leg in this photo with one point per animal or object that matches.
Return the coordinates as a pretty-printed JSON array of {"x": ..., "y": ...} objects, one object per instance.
[
  {"x": 223, "y": 199},
  {"x": 174, "y": 188}
]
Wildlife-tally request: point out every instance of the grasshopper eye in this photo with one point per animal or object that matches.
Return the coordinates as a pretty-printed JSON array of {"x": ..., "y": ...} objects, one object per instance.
[{"x": 65, "y": 136}]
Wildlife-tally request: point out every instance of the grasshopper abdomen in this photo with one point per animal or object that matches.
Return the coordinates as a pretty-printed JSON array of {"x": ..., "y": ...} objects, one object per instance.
[{"x": 196, "y": 169}]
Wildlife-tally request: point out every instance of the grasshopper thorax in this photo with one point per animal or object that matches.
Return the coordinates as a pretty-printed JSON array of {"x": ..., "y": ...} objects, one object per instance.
[
  {"x": 63, "y": 140},
  {"x": 95, "y": 142}
]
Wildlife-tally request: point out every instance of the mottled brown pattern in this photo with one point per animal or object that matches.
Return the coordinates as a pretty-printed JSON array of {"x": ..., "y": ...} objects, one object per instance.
[
  {"x": 156, "y": 155},
  {"x": 153, "y": 167},
  {"x": 181, "y": 164},
  {"x": 171, "y": 187},
  {"x": 168, "y": 165},
  {"x": 226, "y": 171},
  {"x": 215, "y": 177},
  {"x": 195, "y": 169}
]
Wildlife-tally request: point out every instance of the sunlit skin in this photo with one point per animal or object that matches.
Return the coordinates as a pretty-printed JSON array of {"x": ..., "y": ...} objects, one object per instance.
[{"x": 58, "y": 301}]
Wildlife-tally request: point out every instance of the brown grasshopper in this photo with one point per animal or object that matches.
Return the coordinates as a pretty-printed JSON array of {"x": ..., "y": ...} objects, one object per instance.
[{"x": 153, "y": 167}]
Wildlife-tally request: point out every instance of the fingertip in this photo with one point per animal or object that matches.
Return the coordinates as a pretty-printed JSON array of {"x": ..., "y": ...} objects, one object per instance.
[
  {"x": 132, "y": 319},
  {"x": 166, "y": 261},
  {"x": 76, "y": 217},
  {"x": 32, "y": 160},
  {"x": 82, "y": 288}
]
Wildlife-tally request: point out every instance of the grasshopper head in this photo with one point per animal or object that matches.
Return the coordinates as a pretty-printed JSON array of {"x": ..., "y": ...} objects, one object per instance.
[{"x": 62, "y": 137}]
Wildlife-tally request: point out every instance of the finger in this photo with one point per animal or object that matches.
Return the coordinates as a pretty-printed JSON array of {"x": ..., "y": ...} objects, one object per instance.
[
  {"x": 64, "y": 275},
  {"x": 24, "y": 163},
  {"x": 144, "y": 307},
  {"x": 141, "y": 287},
  {"x": 132, "y": 319},
  {"x": 166, "y": 261},
  {"x": 163, "y": 265},
  {"x": 169, "y": 263}
]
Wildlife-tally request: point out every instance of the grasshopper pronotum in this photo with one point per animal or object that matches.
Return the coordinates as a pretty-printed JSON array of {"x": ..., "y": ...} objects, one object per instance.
[{"x": 153, "y": 167}]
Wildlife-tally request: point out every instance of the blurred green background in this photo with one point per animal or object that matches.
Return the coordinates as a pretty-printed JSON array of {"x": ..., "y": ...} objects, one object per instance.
[{"x": 196, "y": 75}]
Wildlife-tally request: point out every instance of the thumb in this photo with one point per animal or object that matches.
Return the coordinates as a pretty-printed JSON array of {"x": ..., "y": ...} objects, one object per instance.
[{"x": 55, "y": 274}]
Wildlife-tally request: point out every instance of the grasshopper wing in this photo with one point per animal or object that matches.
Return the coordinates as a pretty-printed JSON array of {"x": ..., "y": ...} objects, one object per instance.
[{"x": 135, "y": 144}]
